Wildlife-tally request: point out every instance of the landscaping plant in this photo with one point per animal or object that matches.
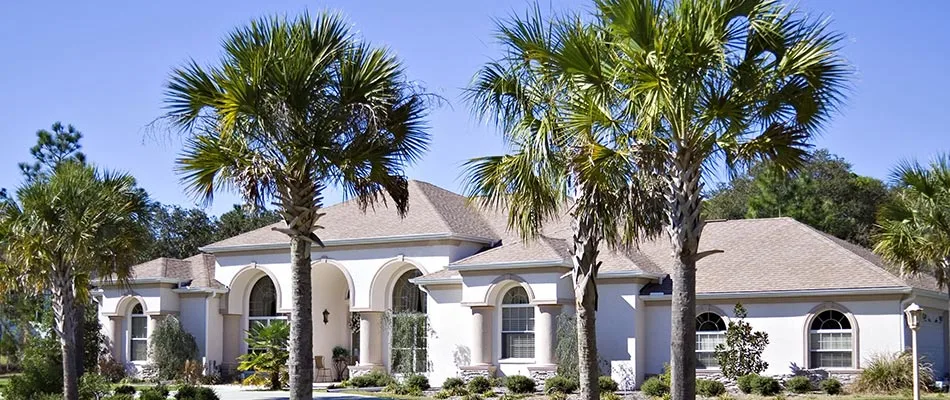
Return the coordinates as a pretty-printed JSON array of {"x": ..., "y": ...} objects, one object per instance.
[
  {"x": 520, "y": 384},
  {"x": 742, "y": 352},
  {"x": 607, "y": 384},
  {"x": 893, "y": 373},
  {"x": 709, "y": 388},
  {"x": 478, "y": 384},
  {"x": 269, "y": 353},
  {"x": 170, "y": 346},
  {"x": 799, "y": 384}
]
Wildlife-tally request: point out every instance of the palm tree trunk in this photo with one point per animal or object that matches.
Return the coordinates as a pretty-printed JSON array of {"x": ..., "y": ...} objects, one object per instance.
[
  {"x": 64, "y": 311},
  {"x": 684, "y": 229},
  {"x": 585, "y": 298},
  {"x": 301, "y": 322}
]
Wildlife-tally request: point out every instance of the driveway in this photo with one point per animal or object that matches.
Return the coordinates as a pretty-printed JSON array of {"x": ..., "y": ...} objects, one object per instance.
[{"x": 237, "y": 392}]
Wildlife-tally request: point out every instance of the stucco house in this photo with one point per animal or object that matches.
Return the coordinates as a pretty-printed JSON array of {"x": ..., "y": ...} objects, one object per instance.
[{"x": 489, "y": 302}]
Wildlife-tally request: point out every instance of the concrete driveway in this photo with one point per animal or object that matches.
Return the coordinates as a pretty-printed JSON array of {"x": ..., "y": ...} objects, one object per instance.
[{"x": 237, "y": 392}]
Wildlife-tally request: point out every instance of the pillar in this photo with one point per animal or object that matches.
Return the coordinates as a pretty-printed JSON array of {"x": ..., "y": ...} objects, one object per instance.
[
  {"x": 545, "y": 333},
  {"x": 371, "y": 338},
  {"x": 481, "y": 335},
  {"x": 117, "y": 338},
  {"x": 153, "y": 320}
]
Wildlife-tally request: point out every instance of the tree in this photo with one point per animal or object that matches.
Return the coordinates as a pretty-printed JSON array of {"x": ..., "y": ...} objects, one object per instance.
[
  {"x": 64, "y": 228},
  {"x": 53, "y": 148},
  {"x": 269, "y": 351},
  {"x": 704, "y": 82},
  {"x": 823, "y": 193},
  {"x": 178, "y": 232},
  {"x": 742, "y": 353},
  {"x": 295, "y": 106},
  {"x": 242, "y": 219},
  {"x": 562, "y": 157},
  {"x": 914, "y": 226},
  {"x": 169, "y": 347}
]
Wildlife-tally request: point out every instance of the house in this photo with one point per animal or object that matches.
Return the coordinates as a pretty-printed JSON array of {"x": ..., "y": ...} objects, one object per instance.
[{"x": 449, "y": 291}]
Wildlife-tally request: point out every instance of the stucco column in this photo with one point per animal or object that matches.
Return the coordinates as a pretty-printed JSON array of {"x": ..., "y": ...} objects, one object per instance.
[
  {"x": 481, "y": 331},
  {"x": 371, "y": 338},
  {"x": 544, "y": 333},
  {"x": 153, "y": 320},
  {"x": 116, "y": 337}
]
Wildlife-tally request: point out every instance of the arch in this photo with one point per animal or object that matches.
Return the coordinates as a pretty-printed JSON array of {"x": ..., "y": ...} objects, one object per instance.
[
  {"x": 829, "y": 328},
  {"x": 710, "y": 332},
  {"x": 407, "y": 296},
  {"x": 346, "y": 274},
  {"x": 516, "y": 325},
  {"x": 381, "y": 287},
  {"x": 243, "y": 281},
  {"x": 500, "y": 285},
  {"x": 137, "y": 332},
  {"x": 124, "y": 306}
]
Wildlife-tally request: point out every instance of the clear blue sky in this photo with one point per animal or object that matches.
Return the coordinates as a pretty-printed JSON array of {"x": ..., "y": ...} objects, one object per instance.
[{"x": 101, "y": 66}]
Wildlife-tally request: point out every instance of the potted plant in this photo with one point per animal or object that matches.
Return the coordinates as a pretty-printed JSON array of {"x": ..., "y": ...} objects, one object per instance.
[{"x": 340, "y": 359}]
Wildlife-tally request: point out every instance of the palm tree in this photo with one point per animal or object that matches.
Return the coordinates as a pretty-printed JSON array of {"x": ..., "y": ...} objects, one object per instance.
[
  {"x": 562, "y": 158},
  {"x": 914, "y": 226},
  {"x": 706, "y": 84},
  {"x": 269, "y": 355},
  {"x": 293, "y": 107},
  {"x": 64, "y": 228}
]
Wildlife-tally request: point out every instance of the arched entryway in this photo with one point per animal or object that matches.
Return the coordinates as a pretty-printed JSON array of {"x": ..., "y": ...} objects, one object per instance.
[
  {"x": 409, "y": 325},
  {"x": 331, "y": 314}
]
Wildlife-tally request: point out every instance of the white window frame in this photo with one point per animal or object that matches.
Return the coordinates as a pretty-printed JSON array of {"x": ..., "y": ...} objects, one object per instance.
[
  {"x": 501, "y": 317},
  {"x": 261, "y": 319},
  {"x": 813, "y": 332},
  {"x": 719, "y": 334},
  {"x": 132, "y": 339}
]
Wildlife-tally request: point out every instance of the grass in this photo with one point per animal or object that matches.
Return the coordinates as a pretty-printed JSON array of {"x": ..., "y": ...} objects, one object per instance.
[{"x": 381, "y": 395}]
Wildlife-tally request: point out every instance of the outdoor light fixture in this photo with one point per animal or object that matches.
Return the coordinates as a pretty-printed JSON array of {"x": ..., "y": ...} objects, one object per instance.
[
  {"x": 326, "y": 316},
  {"x": 913, "y": 313}
]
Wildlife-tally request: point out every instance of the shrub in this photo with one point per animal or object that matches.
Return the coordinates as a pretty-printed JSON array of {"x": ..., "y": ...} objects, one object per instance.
[
  {"x": 892, "y": 373},
  {"x": 557, "y": 396},
  {"x": 609, "y": 396},
  {"x": 742, "y": 352},
  {"x": 559, "y": 384},
  {"x": 510, "y": 396},
  {"x": 489, "y": 393},
  {"x": 709, "y": 387},
  {"x": 125, "y": 389},
  {"x": 186, "y": 392},
  {"x": 520, "y": 384},
  {"x": 799, "y": 384},
  {"x": 372, "y": 379},
  {"x": 113, "y": 370},
  {"x": 442, "y": 394},
  {"x": 120, "y": 396},
  {"x": 191, "y": 372},
  {"x": 654, "y": 387},
  {"x": 479, "y": 384},
  {"x": 169, "y": 347},
  {"x": 154, "y": 393},
  {"x": 42, "y": 370},
  {"x": 472, "y": 396},
  {"x": 272, "y": 355},
  {"x": 453, "y": 383},
  {"x": 93, "y": 387},
  {"x": 418, "y": 381},
  {"x": 607, "y": 384},
  {"x": 745, "y": 382},
  {"x": 765, "y": 386},
  {"x": 206, "y": 393},
  {"x": 402, "y": 390},
  {"x": 831, "y": 386}
]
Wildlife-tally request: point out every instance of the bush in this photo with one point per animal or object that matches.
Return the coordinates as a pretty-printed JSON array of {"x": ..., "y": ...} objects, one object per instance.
[
  {"x": 520, "y": 384},
  {"x": 93, "y": 387},
  {"x": 154, "y": 393},
  {"x": 125, "y": 389},
  {"x": 609, "y": 396},
  {"x": 799, "y": 384},
  {"x": 402, "y": 390},
  {"x": 169, "y": 347},
  {"x": 453, "y": 383},
  {"x": 559, "y": 384},
  {"x": 42, "y": 370},
  {"x": 607, "y": 384},
  {"x": 655, "y": 387},
  {"x": 765, "y": 386},
  {"x": 479, "y": 384},
  {"x": 557, "y": 396},
  {"x": 709, "y": 387},
  {"x": 442, "y": 394},
  {"x": 418, "y": 381},
  {"x": 120, "y": 396},
  {"x": 186, "y": 392},
  {"x": 372, "y": 379},
  {"x": 191, "y": 372},
  {"x": 489, "y": 393},
  {"x": 113, "y": 370},
  {"x": 831, "y": 386},
  {"x": 745, "y": 382},
  {"x": 892, "y": 374},
  {"x": 472, "y": 396}
]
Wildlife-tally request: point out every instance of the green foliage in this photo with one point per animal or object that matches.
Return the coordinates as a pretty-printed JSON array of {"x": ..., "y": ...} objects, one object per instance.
[
  {"x": 42, "y": 371},
  {"x": 53, "y": 148},
  {"x": 410, "y": 331},
  {"x": 372, "y": 379},
  {"x": 655, "y": 387},
  {"x": 177, "y": 232},
  {"x": 113, "y": 370},
  {"x": 270, "y": 353},
  {"x": 125, "y": 389},
  {"x": 472, "y": 396},
  {"x": 565, "y": 349},
  {"x": 709, "y": 388},
  {"x": 442, "y": 394},
  {"x": 453, "y": 383},
  {"x": 742, "y": 352},
  {"x": 831, "y": 386},
  {"x": 559, "y": 384},
  {"x": 402, "y": 389},
  {"x": 557, "y": 396},
  {"x": 607, "y": 384},
  {"x": 892, "y": 373},
  {"x": 520, "y": 384},
  {"x": 765, "y": 385},
  {"x": 190, "y": 392},
  {"x": 799, "y": 384},
  {"x": 170, "y": 346},
  {"x": 93, "y": 387},
  {"x": 93, "y": 342},
  {"x": 744, "y": 382},
  {"x": 418, "y": 382},
  {"x": 121, "y": 396},
  {"x": 156, "y": 392},
  {"x": 609, "y": 396},
  {"x": 479, "y": 384},
  {"x": 489, "y": 393}
]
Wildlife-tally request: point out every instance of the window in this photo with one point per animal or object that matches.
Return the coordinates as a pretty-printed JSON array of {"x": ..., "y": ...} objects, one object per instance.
[
  {"x": 830, "y": 341},
  {"x": 409, "y": 325},
  {"x": 517, "y": 325},
  {"x": 710, "y": 332},
  {"x": 138, "y": 334},
  {"x": 262, "y": 304}
]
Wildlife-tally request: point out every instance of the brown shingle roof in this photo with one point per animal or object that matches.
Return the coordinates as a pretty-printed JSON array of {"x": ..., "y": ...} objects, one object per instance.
[{"x": 197, "y": 269}]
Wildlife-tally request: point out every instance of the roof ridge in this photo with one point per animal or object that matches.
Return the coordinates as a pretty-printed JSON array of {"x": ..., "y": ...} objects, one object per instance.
[
  {"x": 419, "y": 184},
  {"x": 821, "y": 236}
]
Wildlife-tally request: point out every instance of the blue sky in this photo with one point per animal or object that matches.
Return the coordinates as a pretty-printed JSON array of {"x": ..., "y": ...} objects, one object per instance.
[{"x": 102, "y": 69}]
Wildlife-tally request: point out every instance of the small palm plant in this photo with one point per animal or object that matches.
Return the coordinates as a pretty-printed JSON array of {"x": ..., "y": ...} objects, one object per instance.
[{"x": 267, "y": 351}]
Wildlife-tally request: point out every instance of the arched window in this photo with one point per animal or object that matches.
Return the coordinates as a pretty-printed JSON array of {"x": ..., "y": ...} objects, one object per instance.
[
  {"x": 409, "y": 325},
  {"x": 831, "y": 341},
  {"x": 710, "y": 332},
  {"x": 262, "y": 304},
  {"x": 517, "y": 324},
  {"x": 138, "y": 334}
]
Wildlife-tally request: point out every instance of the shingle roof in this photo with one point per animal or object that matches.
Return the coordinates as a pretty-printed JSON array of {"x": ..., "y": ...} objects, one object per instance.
[
  {"x": 197, "y": 269},
  {"x": 432, "y": 211}
]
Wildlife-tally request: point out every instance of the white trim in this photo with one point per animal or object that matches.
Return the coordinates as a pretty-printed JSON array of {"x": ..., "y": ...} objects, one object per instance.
[
  {"x": 508, "y": 264},
  {"x": 785, "y": 293},
  {"x": 199, "y": 290},
  {"x": 436, "y": 281},
  {"x": 130, "y": 338},
  {"x": 628, "y": 274},
  {"x": 351, "y": 242},
  {"x": 113, "y": 282}
]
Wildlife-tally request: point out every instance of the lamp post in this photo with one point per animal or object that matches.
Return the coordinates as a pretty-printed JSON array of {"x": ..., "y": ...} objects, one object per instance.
[{"x": 913, "y": 313}]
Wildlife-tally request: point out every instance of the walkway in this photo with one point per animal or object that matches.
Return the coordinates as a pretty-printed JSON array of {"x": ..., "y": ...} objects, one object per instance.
[{"x": 237, "y": 392}]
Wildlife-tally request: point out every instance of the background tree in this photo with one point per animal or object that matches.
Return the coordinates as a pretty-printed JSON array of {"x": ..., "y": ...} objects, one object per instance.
[
  {"x": 563, "y": 158},
  {"x": 735, "y": 81},
  {"x": 294, "y": 106},
  {"x": 178, "y": 232},
  {"x": 742, "y": 353},
  {"x": 824, "y": 193},
  {"x": 53, "y": 148},
  {"x": 914, "y": 226},
  {"x": 243, "y": 219},
  {"x": 64, "y": 228},
  {"x": 269, "y": 351}
]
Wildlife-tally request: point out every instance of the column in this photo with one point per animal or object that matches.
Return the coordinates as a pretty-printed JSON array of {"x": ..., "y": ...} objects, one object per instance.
[
  {"x": 371, "y": 338},
  {"x": 544, "y": 333},
  {"x": 481, "y": 335},
  {"x": 153, "y": 320},
  {"x": 118, "y": 342}
]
